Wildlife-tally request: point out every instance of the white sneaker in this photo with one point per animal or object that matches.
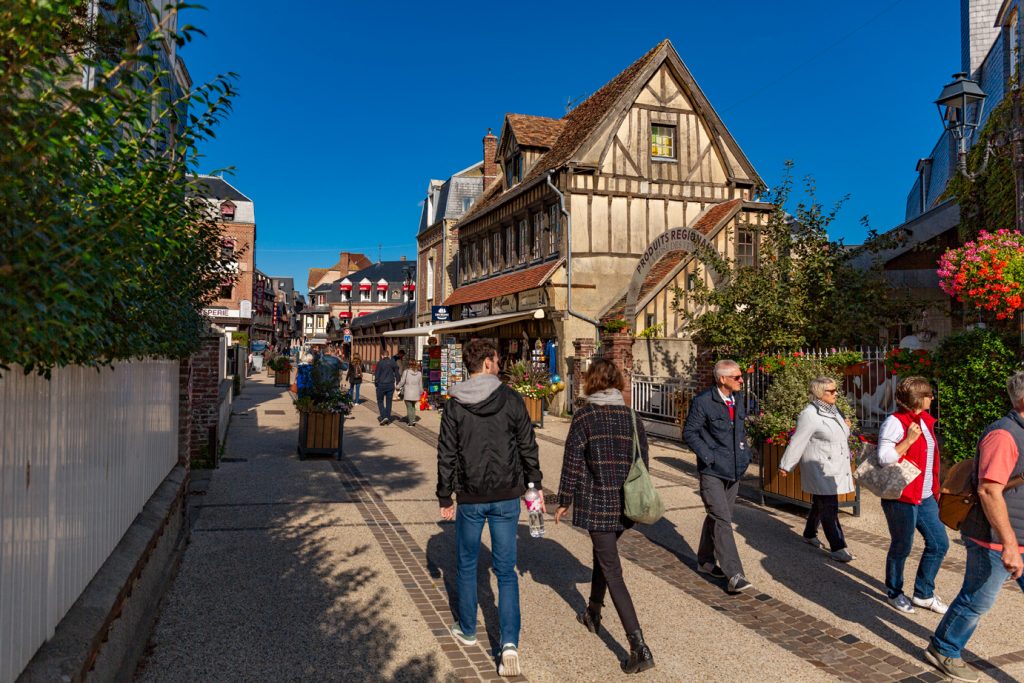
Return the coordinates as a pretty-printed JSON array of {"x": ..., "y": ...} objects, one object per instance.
[
  {"x": 933, "y": 603},
  {"x": 509, "y": 662},
  {"x": 901, "y": 603}
]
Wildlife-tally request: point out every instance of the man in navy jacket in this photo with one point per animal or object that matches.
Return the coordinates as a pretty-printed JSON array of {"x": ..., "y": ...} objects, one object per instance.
[{"x": 715, "y": 430}]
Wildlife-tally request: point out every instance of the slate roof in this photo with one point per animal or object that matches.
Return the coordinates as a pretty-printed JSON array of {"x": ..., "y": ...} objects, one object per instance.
[
  {"x": 215, "y": 187},
  {"x": 452, "y": 192},
  {"x": 387, "y": 270},
  {"x": 399, "y": 312},
  {"x": 503, "y": 285},
  {"x": 535, "y": 131}
]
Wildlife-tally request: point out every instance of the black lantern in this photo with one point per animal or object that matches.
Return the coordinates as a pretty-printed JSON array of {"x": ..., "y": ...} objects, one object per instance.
[{"x": 960, "y": 106}]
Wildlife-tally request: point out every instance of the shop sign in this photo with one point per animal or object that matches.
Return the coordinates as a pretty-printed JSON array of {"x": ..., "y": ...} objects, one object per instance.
[
  {"x": 532, "y": 298},
  {"x": 503, "y": 304},
  {"x": 477, "y": 310},
  {"x": 440, "y": 314},
  {"x": 220, "y": 313}
]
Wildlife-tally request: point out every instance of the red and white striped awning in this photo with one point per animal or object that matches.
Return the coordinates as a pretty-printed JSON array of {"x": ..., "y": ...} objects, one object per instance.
[
  {"x": 344, "y": 314},
  {"x": 409, "y": 287},
  {"x": 346, "y": 285},
  {"x": 382, "y": 285},
  {"x": 362, "y": 313},
  {"x": 365, "y": 286}
]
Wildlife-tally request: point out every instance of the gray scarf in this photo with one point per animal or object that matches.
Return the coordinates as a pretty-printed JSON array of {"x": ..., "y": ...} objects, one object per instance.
[
  {"x": 607, "y": 397},
  {"x": 829, "y": 409}
]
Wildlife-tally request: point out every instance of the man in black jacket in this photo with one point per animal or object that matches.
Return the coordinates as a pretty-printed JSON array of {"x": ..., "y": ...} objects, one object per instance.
[
  {"x": 486, "y": 454},
  {"x": 385, "y": 375},
  {"x": 716, "y": 432}
]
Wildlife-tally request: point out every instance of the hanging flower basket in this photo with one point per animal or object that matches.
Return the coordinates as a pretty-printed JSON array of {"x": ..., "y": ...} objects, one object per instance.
[{"x": 987, "y": 273}]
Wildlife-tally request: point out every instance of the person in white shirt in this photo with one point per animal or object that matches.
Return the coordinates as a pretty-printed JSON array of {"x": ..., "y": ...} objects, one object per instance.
[{"x": 909, "y": 434}]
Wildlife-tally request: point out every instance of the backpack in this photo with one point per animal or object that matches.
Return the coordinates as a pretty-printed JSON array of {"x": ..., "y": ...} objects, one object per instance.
[{"x": 958, "y": 494}]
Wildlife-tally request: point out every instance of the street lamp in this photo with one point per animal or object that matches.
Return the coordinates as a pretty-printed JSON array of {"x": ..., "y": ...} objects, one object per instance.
[{"x": 960, "y": 106}]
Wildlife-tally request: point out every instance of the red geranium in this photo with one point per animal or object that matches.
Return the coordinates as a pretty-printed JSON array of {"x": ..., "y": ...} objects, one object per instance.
[{"x": 987, "y": 273}]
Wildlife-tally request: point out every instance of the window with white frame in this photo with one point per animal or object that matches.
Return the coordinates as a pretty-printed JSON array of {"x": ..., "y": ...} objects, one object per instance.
[
  {"x": 430, "y": 278},
  {"x": 663, "y": 141},
  {"x": 746, "y": 254},
  {"x": 365, "y": 295}
]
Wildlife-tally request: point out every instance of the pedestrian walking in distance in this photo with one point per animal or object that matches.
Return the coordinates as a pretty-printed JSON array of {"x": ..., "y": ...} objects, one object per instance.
[
  {"x": 909, "y": 434},
  {"x": 821, "y": 444},
  {"x": 992, "y": 532},
  {"x": 598, "y": 456},
  {"x": 487, "y": 456},
  {"x": 354, "y": 377},
  {"x": 410, "y": 386},
  {"x": 385, "y": 375},
  {"x": 716, "y": 432}
]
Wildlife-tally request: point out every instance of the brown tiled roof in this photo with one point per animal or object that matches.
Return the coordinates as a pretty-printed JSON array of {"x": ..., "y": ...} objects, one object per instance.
[
  {"x": 349, "y": 262},
  {"x": 577, "y": 126},
  {"x": 314, "y": 276},
  {"x": 503, "y": 285},
  {"x": 534, "y": 131},
  {"x": 707, "y": 225}
]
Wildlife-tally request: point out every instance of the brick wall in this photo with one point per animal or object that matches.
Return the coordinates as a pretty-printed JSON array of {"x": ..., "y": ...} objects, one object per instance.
[{"x": 206, "y": 378}]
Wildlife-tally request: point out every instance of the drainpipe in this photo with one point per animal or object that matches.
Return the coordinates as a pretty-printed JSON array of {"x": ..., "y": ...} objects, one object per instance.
[{"x": 568, "y": 259}]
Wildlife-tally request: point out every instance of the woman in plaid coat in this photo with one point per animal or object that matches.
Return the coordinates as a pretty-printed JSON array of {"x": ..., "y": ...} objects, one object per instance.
[{"x": 598, "y": 455}]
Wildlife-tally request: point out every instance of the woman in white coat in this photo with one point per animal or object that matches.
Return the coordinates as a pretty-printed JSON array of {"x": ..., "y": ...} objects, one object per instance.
[{"x": 821, "y": 445}]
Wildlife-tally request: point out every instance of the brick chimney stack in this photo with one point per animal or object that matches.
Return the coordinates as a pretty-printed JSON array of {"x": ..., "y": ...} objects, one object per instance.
[{"x": 490, "y": 161}]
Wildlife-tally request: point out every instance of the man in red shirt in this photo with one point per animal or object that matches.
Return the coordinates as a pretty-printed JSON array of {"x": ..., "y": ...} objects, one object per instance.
[{"x": 992, "y": 534}]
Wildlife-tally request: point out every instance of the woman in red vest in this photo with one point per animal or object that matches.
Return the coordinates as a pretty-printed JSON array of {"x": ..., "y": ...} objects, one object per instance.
[{"x": 909, "y": 434}]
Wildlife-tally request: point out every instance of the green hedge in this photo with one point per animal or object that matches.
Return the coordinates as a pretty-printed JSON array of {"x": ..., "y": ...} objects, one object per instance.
[{"x": 973, "y": 369}]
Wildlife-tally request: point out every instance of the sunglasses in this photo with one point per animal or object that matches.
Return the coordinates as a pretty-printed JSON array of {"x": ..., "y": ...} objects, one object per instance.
[{"x": 738, "y": 378}]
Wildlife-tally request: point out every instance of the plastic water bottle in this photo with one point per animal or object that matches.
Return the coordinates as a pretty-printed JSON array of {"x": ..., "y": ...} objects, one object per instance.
[{"x": 532, "y": 498}]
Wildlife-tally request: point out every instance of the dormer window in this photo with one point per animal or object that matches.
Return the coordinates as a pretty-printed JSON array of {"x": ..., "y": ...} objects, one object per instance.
[
  {"x": 467, "y": 202},
  {"x": 365, "y": 290},
  {"x": 514, "y": 170},
  {"x": 227, "y": 211}
]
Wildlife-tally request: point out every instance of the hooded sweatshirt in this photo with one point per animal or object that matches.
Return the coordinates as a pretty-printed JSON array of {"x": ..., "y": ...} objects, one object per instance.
[{"x": 486, "y": 450}]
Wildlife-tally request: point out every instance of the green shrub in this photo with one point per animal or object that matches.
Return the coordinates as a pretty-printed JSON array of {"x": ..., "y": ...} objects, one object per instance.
[
  {"x": 973, "y": 369},
  {"x": 788, "y": 395}
]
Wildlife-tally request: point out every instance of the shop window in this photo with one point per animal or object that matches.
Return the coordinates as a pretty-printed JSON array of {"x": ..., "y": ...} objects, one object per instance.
[{"x": 663, "y": 141}]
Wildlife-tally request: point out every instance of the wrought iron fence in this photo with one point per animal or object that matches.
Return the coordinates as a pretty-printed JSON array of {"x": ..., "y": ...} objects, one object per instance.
[
  {"x": 657, "y": 398},
  {"x": 869, "y": 386}
]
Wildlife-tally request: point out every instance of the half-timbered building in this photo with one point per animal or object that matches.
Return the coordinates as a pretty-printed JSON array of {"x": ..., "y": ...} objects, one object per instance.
[{"x": 598, "y": 214}]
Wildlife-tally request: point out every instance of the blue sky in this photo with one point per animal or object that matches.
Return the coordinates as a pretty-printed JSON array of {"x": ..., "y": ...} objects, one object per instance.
[{"x": 348, "y": 109}]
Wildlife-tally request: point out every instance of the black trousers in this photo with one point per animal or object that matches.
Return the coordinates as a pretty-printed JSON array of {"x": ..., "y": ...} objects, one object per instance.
[
  {"x": 716, "y": 538},
  {"x": 825, "y": 512},
  {"x": 608, "y": 578}
]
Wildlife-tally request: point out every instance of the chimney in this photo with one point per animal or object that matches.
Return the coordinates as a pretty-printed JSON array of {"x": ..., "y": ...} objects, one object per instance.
[{"x": 490, "y": 162}]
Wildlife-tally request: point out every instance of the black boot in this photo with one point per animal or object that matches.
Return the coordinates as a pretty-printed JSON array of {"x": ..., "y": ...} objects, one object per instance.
[
  {"x": 591, "y": 617},
  {"x": 640, "y": 657}
]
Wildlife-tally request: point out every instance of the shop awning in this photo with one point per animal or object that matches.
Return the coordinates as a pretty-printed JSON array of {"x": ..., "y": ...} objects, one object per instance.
[{"x": 467, "y": 325}]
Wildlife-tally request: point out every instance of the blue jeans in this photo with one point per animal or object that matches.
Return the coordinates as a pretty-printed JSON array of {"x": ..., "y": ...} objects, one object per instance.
[
  {"x": 503, "y": 519},
  {"x": 903, "y": 519},
  {"x": 984, "y": 577},
  {"x": 353, "y": 391},
  {"x": 384, "y": 395}
]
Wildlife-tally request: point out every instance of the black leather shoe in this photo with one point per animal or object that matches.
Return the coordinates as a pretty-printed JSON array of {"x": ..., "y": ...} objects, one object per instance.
[
  {"x": 591, "y": 617},
  {"x": 640, "y": 657}
]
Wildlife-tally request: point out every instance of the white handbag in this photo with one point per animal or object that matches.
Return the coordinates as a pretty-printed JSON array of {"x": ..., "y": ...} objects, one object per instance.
[{"x": 885, "y": 481}]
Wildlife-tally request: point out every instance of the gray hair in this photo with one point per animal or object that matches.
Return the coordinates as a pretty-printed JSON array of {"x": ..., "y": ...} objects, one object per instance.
[
  {"x": 1015, "y": 389},
  {"x": 724, "y": 365},
  {"x": 818, "y": 385}
]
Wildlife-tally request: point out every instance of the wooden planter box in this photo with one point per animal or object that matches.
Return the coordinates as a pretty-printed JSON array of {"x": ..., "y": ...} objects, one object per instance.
[
  {"x": 535, "y": 409},
  {"x": 321, "y": 434},
  {"x": 282, "y": 378},
  {"x": 788, "y": 489}
]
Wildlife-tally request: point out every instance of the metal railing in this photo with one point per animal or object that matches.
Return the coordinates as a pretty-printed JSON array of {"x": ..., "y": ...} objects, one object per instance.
[
  {"x": 657, "y": 398},
  {"x": 80, "y": 454}
]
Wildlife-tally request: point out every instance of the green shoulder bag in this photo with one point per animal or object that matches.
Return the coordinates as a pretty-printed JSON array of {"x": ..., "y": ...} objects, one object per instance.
[{"x": 642, "y": 502}]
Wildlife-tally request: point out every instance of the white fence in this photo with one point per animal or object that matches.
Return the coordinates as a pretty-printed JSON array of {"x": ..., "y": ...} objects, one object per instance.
[
  {"x": 80, "y": 455},
  {"x": 656, "y": 398}
]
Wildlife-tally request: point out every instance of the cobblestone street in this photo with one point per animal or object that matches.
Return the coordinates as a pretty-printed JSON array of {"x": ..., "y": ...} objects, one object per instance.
[{"x": 326, "y": 570}]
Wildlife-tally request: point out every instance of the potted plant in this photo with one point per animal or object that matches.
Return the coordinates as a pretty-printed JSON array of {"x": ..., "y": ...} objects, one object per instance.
[
  {"x": 322, "y": 410},
  {"x": 281, "y": 367},
  {"x": 771, "y": 429},
  {"x": 987, "y": 273},
  {"x": 534, "y": 385},
  {"x": 615, "y": 326}
]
